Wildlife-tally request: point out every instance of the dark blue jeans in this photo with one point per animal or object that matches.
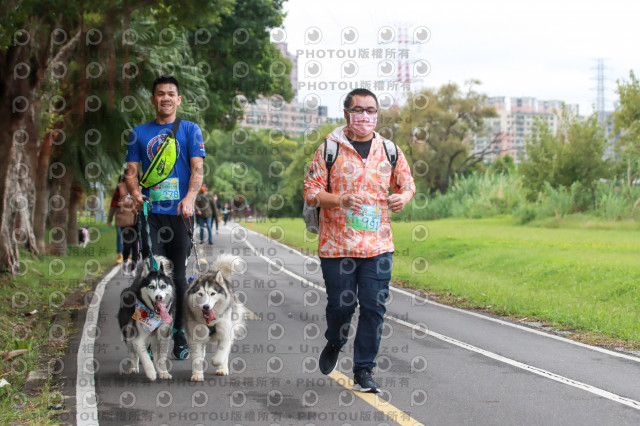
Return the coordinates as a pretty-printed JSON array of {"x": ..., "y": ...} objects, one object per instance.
[
  {"x": 119, "y": 243},
  {"x": 202, "y": 222},
  {"x": 350, "y": 282}
]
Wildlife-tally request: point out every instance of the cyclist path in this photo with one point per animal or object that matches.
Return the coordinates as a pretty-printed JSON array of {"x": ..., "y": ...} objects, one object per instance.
[{"x": 436, "y": 365}]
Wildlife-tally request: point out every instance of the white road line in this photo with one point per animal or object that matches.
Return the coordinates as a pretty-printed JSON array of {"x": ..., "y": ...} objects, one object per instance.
[
  {"x": 544, "y": 373},
  {"x": 478, "y": 315},
  {"x": 86, "y": 396}
]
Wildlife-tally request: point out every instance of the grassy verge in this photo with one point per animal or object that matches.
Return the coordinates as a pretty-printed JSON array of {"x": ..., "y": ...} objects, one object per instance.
[
  {"x": 30, "y": 302},
  {"x": 579, "y": 277}
]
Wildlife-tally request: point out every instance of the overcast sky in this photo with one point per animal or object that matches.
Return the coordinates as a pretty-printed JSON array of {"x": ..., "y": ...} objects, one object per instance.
[{"x": 543, "y": 49}]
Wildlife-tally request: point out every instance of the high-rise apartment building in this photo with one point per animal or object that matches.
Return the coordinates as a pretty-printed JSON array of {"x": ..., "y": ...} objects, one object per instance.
[
  {"x": 508, "y": 132},
  {"x": 292, "y": 118}
]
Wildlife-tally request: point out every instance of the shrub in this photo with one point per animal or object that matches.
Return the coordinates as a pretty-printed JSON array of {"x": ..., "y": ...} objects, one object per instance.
[{"x": 525, "y": 214}]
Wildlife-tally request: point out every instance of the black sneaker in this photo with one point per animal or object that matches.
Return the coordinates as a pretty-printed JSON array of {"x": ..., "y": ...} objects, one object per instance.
[
  {"x": 329, "y": 358},
  {"x": 180, "y": 347},
  {"x": 364, "y": 382}
]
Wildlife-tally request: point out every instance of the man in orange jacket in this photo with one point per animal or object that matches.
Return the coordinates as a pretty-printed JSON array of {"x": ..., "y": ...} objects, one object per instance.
[{"x": 355, "y": 241}]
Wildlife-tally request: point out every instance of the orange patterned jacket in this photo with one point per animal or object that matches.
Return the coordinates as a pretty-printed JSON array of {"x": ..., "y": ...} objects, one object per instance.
[{"x": 350, "y": 174}]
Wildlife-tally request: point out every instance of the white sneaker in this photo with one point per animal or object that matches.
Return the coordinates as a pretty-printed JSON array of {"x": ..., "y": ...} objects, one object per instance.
[{"x": 125, "y": 267}]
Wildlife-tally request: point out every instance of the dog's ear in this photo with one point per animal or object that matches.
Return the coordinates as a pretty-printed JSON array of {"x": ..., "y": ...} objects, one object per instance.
[
  {"x": 161, "y": 268},
  {"x": 219, "y": 278}
]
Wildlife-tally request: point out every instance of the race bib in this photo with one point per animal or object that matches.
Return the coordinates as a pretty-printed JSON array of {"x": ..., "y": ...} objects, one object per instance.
[
  {"x": 166, "y": 190},
  {"x": 144, "y": 316},
  {"x": 366, "y": 219}
]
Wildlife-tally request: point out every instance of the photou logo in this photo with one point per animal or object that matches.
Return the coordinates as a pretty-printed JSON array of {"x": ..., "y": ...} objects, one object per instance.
[
  {"x": 312, "y": 35},
  {"x": 386, "y": 34},
  {"x": 421, "y": 68},
  {"x": 278, "y": 35},
  {"x": 421, "y": 35},
  {"x": 312, "y": 69},
  {"x": 349, "y": 35},
  {"x": 349, "y": 69}
]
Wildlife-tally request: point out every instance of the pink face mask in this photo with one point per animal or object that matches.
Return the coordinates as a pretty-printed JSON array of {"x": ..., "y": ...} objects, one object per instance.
[{"x": 363, "y": 123}]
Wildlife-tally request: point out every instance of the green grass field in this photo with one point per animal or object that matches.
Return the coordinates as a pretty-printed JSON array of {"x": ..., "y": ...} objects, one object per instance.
[{"x": 572, "y": 276}]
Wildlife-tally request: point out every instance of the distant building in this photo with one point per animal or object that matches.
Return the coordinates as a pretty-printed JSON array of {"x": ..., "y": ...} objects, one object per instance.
[
  {"x": 606, "y": 122},
  {"x": 514, "y": 125},
  {"x": 293, "y": 77},
  {"x": 293, "y": 118}
]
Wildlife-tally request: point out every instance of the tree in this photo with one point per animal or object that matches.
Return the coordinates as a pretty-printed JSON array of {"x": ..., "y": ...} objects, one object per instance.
[
  {"x": 435, "y": 130},
  {"x": 574, "y": 154},
  {"x": 293, "y": 178},
  {"x": 249, "y": 165},
  {"x": 35, "y": 37},
  {"x": 503, "y": 165},
  {"x": 627, "y": 124},
  {"x": 41, "y": 38}
]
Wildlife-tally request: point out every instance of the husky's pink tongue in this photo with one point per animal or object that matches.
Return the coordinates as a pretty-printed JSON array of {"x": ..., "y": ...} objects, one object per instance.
[
  {"x": 209, "y": 316},
  {"x": 163, "y": 312}
]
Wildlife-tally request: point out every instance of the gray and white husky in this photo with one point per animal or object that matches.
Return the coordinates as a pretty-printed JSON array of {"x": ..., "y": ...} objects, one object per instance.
[
  {"x": 213, "y": 314},
  {"x": 146, "y": 314}
]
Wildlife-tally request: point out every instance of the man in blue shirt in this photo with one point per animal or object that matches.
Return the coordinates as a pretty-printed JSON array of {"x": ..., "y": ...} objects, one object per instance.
[{"x": 170, "y": 223}]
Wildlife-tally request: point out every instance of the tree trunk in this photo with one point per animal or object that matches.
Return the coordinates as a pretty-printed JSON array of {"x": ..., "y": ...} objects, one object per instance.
[
  {"x": 111, "y": 61},
  {"x": 42, "y": 192},
  {"x": 60, "y": 199},
  {"x": 10, "y": 193},
  {"x": 74, "y": 204},
  {"x": 17, "y": 136}
]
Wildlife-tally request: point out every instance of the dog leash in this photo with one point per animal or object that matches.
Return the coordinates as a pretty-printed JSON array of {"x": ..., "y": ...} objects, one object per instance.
[
  {"x": 146, "y": 208},
  {"x": 192, "y": 238}
]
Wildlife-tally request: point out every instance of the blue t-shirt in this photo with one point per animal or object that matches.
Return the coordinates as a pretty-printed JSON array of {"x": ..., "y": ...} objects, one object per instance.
[{"x": 145, "y": 141}]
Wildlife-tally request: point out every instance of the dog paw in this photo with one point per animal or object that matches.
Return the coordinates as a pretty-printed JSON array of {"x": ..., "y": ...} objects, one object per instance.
[
  {"x": 131, "y": 371},
  {"x": 197, "y": 377},
  {"x": 164, "y": 376},
  {"x": 152, "y": 376},
  {"x": 222, "y": 371}
]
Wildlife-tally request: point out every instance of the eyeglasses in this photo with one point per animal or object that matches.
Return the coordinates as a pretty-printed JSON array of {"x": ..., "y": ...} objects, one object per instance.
[{"x": 360, "y": 110}]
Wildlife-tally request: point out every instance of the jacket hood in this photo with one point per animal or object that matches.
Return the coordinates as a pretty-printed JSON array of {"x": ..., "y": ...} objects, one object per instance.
[{"x": 338, "y": 135}]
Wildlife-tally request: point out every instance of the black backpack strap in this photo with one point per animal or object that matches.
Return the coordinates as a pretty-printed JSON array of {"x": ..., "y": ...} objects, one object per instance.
[
  {"x": 331, "y": 149},
  {"x": 174, "y": 128},
  {"x": 391, "y": 149}
]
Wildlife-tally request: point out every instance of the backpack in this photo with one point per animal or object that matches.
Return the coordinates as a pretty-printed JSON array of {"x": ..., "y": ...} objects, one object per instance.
[
  {"x": 310, "y": 213},
  {"x": 126, "y": 214},
  {"x": 203, "y": 204}
]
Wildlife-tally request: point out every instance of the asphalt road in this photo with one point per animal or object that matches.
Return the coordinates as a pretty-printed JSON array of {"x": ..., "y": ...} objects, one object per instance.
[{"x": 437, "y": 365}]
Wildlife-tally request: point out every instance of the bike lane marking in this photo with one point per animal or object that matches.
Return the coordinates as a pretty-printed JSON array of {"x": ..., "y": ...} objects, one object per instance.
[{"x": 376, "y": 401}]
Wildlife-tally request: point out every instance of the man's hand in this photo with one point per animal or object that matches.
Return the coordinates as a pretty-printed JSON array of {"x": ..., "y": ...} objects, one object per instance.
[
  {"x": 351, "y": 201},
  {"x": 186, "y": 206},
  {"x": 137, "y": 196},
  {"x": 109, "y": 224},
  {"x": 398, "y": 201},
  {"x": 131, "y": 178}
]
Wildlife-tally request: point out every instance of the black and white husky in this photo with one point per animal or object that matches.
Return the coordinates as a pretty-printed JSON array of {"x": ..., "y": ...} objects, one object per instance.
[
  {"x": 146, "y": 314},
  {"x": 213, "y": 315}
]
